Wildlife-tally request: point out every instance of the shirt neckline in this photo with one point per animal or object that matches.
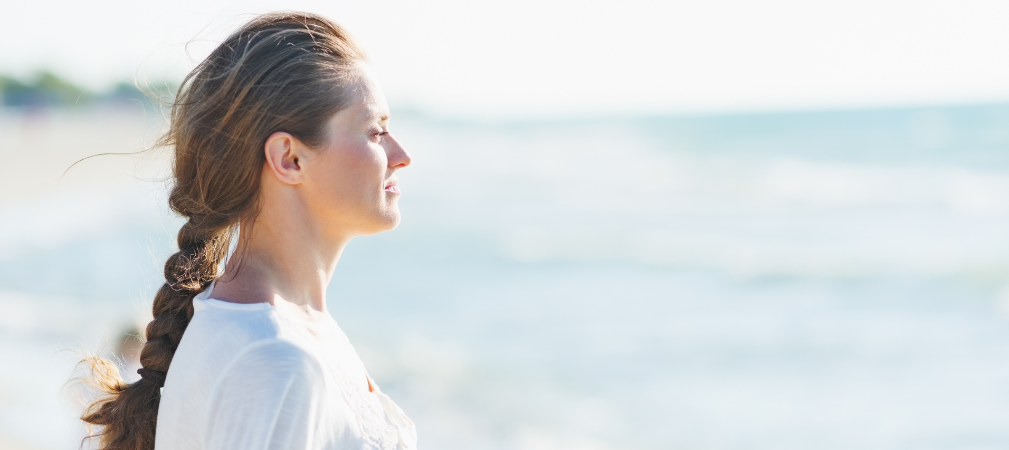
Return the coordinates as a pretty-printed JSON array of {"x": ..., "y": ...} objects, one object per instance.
[{"x": 203, "y": 299}]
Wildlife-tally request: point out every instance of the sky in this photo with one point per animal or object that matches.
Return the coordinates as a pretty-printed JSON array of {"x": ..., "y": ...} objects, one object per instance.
[{"x": 523, "y": 58}]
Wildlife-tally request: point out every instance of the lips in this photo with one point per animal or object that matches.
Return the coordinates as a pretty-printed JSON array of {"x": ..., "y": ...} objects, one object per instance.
[{"x": 390, "y": 185}]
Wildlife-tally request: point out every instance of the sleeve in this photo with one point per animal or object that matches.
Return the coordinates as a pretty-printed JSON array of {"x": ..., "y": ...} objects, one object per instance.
[{"x": 269, "y": 398}]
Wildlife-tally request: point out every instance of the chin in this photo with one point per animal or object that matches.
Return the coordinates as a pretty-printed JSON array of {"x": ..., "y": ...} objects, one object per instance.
[
  {"x": 386, "y": 220},
  {"x": 392, "y": 222}
]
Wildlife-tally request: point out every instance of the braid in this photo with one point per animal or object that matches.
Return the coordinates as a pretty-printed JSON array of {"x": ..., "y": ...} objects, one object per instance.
[
  {"x": 188, "y": 272},
  {"x": 129, "y": 415}
]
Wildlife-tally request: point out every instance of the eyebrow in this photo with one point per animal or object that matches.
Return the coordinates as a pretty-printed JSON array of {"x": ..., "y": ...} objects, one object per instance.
[{"x": 381, "y": 116}]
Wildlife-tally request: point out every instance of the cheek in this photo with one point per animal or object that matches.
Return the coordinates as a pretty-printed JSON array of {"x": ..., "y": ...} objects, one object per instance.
[{"x": 351, "y": 174}]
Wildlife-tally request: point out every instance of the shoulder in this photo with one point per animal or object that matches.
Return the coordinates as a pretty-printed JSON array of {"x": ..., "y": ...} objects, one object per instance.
[
  {"x": 219, "y": 330},
  {"x": 223, "y": 349},
  {"x": 270, "y": 374},
  {"x": 273, "y": 357},
  {"x": 264, "y": 378},
  {"x": 274, "y": 395}
]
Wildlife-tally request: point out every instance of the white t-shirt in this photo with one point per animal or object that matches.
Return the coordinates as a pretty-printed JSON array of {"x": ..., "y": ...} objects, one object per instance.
[{"x": 264, "y": 377}]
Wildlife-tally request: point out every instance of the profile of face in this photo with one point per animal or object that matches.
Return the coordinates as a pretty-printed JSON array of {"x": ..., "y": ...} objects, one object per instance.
[{"x": 349, "y": 185}]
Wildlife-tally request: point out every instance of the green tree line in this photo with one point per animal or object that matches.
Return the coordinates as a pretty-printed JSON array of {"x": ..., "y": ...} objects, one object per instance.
[{"x": 46, "y": 89}]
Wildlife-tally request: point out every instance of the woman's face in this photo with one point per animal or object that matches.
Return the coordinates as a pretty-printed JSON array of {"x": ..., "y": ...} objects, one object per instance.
[{"x": 351, "y": 183}]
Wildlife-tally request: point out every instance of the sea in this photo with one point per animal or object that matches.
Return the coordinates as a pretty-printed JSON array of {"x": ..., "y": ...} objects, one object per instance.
[{"x": 763, "y": 281}]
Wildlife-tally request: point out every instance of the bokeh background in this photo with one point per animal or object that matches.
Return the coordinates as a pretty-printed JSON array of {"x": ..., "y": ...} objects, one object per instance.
[{"x": 628, "y": 225}]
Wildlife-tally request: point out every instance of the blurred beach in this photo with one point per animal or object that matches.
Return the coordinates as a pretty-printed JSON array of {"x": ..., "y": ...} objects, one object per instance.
[{"x": 805, "y": 280}]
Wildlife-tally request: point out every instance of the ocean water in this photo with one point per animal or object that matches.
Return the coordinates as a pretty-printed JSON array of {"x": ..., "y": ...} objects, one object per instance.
[{"x": 816, "y": 280}]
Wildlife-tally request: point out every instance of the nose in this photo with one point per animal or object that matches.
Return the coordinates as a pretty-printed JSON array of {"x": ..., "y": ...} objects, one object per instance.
[{"x": 397, "y": 155}]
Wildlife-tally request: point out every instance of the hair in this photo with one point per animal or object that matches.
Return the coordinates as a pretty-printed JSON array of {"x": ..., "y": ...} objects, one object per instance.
[{"x": 279, "y": 72}]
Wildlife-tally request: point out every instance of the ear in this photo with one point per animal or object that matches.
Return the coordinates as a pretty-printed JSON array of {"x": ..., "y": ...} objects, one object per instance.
[{"x": 283, "y": 155}]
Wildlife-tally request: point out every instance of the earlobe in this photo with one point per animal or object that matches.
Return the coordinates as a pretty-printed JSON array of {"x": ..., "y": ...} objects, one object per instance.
[{"x": 281, "y": 151}]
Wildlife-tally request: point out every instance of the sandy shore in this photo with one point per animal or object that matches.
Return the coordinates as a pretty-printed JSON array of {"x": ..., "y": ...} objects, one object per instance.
[{"x": 39, "y": 146}]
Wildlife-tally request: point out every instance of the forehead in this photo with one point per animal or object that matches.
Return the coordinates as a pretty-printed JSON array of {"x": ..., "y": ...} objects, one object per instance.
[{"x": 369, "y": 100}]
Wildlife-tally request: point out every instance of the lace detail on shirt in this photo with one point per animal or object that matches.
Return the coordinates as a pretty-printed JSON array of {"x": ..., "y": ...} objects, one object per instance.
[
  {"x": 348, "y": 372},
  {"x": 378, "y": 431}
]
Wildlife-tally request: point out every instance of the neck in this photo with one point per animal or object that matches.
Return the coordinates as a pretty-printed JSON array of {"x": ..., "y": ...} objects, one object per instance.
[{"x": 281, "y": 258}]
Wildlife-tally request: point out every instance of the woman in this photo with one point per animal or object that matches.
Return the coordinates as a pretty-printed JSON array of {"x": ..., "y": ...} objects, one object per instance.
[{"x": 281, "y": 140}]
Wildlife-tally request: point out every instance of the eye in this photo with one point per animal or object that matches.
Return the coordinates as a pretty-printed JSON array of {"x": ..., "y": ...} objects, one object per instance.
[{"x": 377, "y": 135}]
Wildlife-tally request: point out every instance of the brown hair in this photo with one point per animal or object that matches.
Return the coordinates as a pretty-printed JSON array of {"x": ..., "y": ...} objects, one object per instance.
[{"x": 279, "y": 72}]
